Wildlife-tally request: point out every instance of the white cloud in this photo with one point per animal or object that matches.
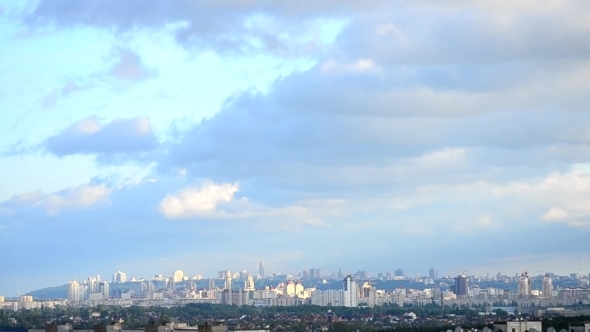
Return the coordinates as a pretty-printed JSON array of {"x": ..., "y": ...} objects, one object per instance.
[
  {"x": 359, "y": 66},
  {"x": 555, "y": 213},
  {"x": 197, "y": 201},
  {"x": 83, "y": 196}
]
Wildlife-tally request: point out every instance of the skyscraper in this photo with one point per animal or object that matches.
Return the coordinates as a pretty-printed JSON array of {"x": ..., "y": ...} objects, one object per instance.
[
  {"x": 261, "y": 271},
  {"x": 350, "y": 292},
  {"x": 433, "y": 273},
  {"x": 103, "y": 288},
  {"x": 228, "y": 284},
  {"x": 119, "y": 277},
  {"x": 547, "y": 286},
  {"x": 524, "y": 285},
  {"x": 317, "y": 274},
  {"x": 210, "y": 284},
  {"x": 74, "y": 291},
  {"x": 249, "y": 284},
  {"x": 462, "y": 285},
  {"x": 178, "y": 276},
  {"x": 399, "y": 273}
]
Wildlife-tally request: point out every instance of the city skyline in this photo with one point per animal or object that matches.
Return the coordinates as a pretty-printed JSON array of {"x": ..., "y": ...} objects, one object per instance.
[
  {"x": 180, "y": 276},
  {"x": 291, "y": 135},
  {"x": 549, "y": 292}
]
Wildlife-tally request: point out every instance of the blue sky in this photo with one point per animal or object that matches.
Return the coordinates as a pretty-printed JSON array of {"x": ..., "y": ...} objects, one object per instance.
[{"x": 371, "y": 135}]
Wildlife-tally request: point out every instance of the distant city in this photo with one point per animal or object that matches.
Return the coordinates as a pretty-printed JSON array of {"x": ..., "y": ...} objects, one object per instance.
[{"x": 522, "y": 292}]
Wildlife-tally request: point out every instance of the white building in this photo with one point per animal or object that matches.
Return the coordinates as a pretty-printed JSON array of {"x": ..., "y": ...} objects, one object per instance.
[
  {"x": 524, "y": 285},
  {"x": 119, "y": 277},
  {"x": 330, "y": 297},
  {"x": 518, "y": 326},
  {"x": 350, "y": 292},
  {"x": 249, "y": 283},
  {"x": 547, "y": 289},
  {"x": 178, "y": 276},
  {"x": 74, "y": 294}
]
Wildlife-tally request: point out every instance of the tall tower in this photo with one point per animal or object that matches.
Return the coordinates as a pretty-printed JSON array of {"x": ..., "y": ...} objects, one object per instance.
[
  {"x": 171, "y": 284},
  {"x": 462, "y": 285},
  {"x": 433, "y": 273},
  {"x": 547, "y": 286},
  {"x": 249, "y": 284},
  {"x": 210, "y": 284},
  {"x": 524, "y": 285},
  {"x": 350, "y": 292},
  {"x": 103, "y": 288},
  {"x": 178, "y": 276},
  {"x": 261, "y": 271},
  {"x": 74, "y": 291},
  {"x": 228, "y": 284},
  {"x": 119, "y": 277}
]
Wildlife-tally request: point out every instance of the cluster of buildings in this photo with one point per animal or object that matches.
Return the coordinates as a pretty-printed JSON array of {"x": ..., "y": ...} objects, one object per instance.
[
  {"x": 355, "y": 289},
  {"x": 28, "y": 302}
]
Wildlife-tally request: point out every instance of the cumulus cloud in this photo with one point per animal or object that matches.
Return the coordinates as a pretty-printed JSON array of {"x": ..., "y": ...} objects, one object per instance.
[
  {"x": 195, "y": 202},
  {"x": 83, "y": 196},
  {"x": 91, "y": 136},
  {"x": 431, "y": 119}
]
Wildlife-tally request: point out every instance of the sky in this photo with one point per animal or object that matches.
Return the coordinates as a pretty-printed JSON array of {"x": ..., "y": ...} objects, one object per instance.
[{"x": 363, "y": 135}]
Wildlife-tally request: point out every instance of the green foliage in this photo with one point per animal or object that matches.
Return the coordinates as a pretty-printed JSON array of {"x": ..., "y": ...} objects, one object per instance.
[{"x": 305, "y": 318}]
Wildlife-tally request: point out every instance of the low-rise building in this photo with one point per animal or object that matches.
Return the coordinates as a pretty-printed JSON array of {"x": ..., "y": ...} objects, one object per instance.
[{"x": 518, "y": 326}]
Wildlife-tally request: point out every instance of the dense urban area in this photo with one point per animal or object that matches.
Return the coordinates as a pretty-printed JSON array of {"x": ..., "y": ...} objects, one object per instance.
[{"x": 308, "y": 301}]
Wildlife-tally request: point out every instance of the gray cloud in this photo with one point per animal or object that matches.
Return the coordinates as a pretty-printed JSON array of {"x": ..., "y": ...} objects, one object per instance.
[
  {"x": 277, "y": 27},
  {"x": 431, "y": 122},
  {"x": 90, "y": 136},
  {"x": 471, "y": 33}
]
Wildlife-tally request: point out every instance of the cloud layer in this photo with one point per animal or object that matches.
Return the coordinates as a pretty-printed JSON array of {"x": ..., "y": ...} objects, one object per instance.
[{"x": 418, "y": 126}]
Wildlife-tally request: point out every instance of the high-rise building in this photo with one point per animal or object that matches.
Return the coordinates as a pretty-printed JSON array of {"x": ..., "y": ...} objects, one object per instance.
[
  {"x": 399, "y": 273},
  {"x": 244, "y": 275},
  {"x": 178, "y": 276},
  {"x": 433, "y": 273},
  {"x": 227, "y": 284},
  {"x": 350, "y": 292},
  {"x": 305, "y": 275},
  {"x": 261, "y": 270},
  {"x": 314, "y": 273},
  {"x": 119, "y": 277},
  {"x": 74, "y": 291},
  {"x": 210, "y": 284},
  {"x": 462, "y": 286},
  {"x": 524, "y": 285},
  {"x": 249, "y": 284},
  {"x": 92, "y": 285},
  {"x": 171, "y": 284},
  {"x": 547, "y": 289},
  {"x": 104, "y": 290}
]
